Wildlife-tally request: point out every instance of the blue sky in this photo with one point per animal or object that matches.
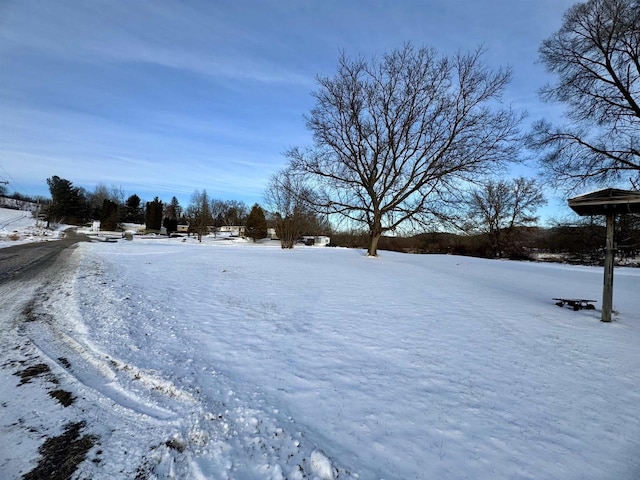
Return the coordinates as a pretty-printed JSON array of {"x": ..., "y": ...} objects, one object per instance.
[{"x": 161, "y": 98}]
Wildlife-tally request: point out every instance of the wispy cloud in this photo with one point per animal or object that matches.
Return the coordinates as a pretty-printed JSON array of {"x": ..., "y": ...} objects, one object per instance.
[{"x": 168, "y": 34}]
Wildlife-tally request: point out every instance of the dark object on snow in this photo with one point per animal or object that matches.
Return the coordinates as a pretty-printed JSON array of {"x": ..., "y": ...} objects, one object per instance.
[{"x": 576, "y": 303}]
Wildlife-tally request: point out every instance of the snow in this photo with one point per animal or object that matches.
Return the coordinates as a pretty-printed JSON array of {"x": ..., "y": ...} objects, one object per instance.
[
  {"x": 244, "y": 361},
  {"x": 20, "y": 226}
]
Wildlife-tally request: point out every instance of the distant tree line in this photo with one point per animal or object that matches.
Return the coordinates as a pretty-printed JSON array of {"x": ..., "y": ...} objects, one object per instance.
[
  {"x": 498, "y": 220},
  {"x": 580, "y": 243},
  {"x": 75, "y": 205}
]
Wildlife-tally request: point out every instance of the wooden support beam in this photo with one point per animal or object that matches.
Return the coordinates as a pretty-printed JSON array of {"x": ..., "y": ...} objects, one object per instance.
[{"x": 607, "y": 292}]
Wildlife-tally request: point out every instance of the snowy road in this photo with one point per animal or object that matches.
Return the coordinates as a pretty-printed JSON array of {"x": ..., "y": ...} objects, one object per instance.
[
  {"x": 32, "y": 259},
  {"x": 30, "y": 407}
]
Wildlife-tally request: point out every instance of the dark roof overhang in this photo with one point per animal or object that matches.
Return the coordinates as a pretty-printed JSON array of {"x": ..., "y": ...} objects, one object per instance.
[{"x": 609, "y": 200}]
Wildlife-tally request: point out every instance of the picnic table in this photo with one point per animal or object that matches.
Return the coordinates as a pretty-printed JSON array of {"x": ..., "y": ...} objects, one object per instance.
[{"x": 576, "y": 303}]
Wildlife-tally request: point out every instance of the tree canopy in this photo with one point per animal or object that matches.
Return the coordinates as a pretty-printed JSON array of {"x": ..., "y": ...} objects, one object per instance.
[{"x": 394, "y": 135}]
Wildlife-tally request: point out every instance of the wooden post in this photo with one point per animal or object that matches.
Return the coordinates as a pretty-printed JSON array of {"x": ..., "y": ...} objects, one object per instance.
[{"x": 607, "y": 292}]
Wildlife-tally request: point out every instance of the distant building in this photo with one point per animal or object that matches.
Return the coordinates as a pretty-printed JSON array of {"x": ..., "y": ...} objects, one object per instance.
[
  {"x": 316, "y": 240},
  {"x": 232, "y": 230}
]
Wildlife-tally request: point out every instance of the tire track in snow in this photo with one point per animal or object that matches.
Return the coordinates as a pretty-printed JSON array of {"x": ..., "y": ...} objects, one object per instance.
[{"x": 102, "y": 373}]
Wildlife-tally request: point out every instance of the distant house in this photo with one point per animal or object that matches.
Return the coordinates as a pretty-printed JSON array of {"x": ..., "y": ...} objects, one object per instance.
[
  {"x": 316, "y": 240},
  {"x": 271, "y": 234},
  {"x": 183, "y": 228},
  {"x": 232, "y": 230}
]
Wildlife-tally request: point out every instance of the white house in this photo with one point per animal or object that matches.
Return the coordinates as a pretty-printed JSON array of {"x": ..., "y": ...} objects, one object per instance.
[
  {"x": 232, "y": 230},
  {"x": 316, "y": 240}
]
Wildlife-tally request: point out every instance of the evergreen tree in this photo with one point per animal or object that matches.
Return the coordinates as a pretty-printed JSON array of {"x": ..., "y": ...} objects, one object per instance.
[
  {"x": 173, "y": 209},
  {"x": 133, "y": 212},
  {"x": 170, "y": 225},
  {"x": 153, "y": 215},
  {"x": 109, "y": 215},
  {"x": 172, "y": 212},
  {"x": 256, "y": 227},
  {"x": 68, "y": 203}
]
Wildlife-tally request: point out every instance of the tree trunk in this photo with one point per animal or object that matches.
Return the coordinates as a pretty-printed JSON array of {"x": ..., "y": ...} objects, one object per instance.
[
  {"x": 375, "y": 233},
  {"x": 373, "y": 245}
]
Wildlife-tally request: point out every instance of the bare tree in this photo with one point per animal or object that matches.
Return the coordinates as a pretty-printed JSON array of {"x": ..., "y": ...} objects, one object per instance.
[
  {"x": 596, "y": 57},
  {"x": 218, "y": 208},
  {"x": 113, "y": 194},
  {"x": 96, "y": 200},
  {"x": 229, "y": 212},
  {"x": 199, "y": 214},
  {"x": 393, "y": 135},
  {"x": 499, "y": 207},
  {"x": 116, "y": 194},
  {"x": 286, "y": 196}
]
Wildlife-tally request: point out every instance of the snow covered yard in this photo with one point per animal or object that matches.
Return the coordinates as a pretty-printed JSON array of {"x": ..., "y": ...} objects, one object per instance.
[
  {"x": 217, "y": 360},
  {"x": 20, "y": 226},
  {"x": 14, "y": 225}
]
